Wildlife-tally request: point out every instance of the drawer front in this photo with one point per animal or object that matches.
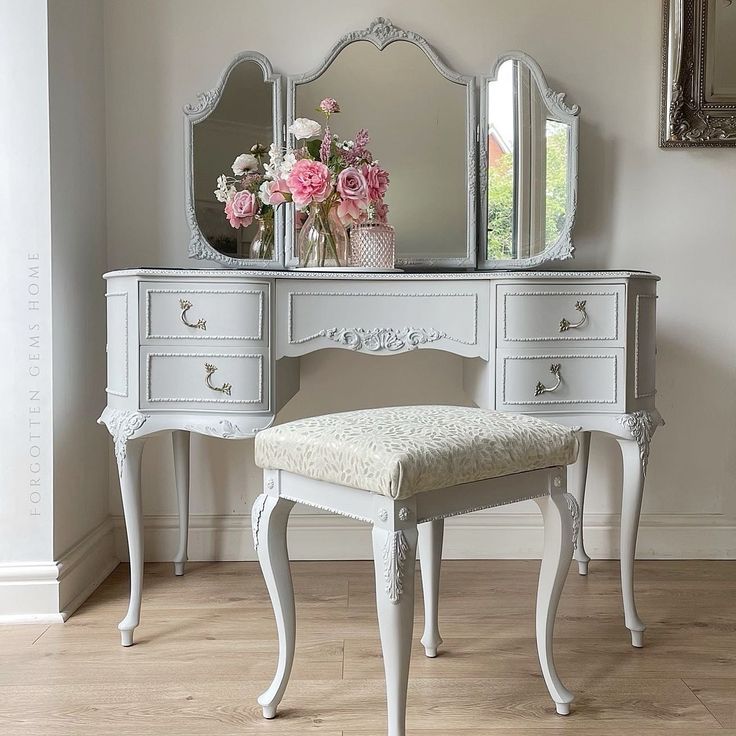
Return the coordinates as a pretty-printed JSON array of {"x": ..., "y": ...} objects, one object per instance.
[
  {"x": 222, "y": 380},
  {"x": 586, "y": 380},
  {"x": 195, "y": 312},
  {"x": 561, "y": 314},
  {"x": 383, "y": 318}
]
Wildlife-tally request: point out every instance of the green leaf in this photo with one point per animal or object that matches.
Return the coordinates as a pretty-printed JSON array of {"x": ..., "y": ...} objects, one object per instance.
[{"x": 313, "y": 148}]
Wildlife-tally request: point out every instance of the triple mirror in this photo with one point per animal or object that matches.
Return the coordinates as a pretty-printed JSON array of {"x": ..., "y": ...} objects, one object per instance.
[{"x": 493, "y": 187}]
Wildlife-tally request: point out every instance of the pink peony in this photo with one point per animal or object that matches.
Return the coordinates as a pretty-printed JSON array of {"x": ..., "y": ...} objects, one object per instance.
[
  {"x": 309, "y": 181},
  {"x": 329, "y": 106},
  {"x": 241, "y": 209},
  {"x": 274, "y": 192},
  {"x": 377, "y": 180}
]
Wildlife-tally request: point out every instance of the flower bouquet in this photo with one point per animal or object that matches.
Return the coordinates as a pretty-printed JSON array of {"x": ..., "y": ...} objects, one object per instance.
[{"x": 335, "y": 183}]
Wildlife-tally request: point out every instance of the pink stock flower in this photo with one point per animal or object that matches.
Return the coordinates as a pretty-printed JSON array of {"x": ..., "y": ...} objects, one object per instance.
[
  {"x": 241, "y": 209},
  {"x": 274, "y": 192},
  {"x": 381, "y": 212},
  {"x": 377, "y": 180},
  {"x": 329, "y": 106},
  {"x": 309, "y": 181}
]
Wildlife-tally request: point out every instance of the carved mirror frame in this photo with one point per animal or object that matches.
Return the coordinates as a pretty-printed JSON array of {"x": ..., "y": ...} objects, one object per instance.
[
  {"x": 563, "y": 247},
  {"x": 381, "y": 33},
  {"x": 199, "y": 247},
  {"x": 687, "y": 119}
]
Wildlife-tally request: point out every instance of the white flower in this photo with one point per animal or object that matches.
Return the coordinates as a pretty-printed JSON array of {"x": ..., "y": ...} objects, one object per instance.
[
  {"x": 287, "y": 164},
  {"x": 245, "y": 162},
  {"x": 263, "y": 194},
  {"x": 303, "y": 128},
  {"x": 224, "y": 191}
]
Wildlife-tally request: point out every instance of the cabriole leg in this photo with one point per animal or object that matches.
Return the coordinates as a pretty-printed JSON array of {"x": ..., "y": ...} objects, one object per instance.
[
  {"x": 180, "y": 440},
  {"x": 270, "y": 517},
  {"x": 577, "y": 478},
  {"x": 630, "y": 511},
  {"x": 558, "y": 536},
  {"x": 431, "y": 535},
  {"x": 394, "y": 554},
  {"x": 129, "y": 468}
]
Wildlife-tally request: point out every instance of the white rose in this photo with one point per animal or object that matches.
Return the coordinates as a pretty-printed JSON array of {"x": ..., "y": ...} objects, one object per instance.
[
  {"x": 303, "y": 128},
  {"x": 245, "y": 162}
]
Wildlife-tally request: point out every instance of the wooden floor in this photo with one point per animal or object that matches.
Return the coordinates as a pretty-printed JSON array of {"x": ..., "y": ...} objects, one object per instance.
[{"x": 206, "y": 648}]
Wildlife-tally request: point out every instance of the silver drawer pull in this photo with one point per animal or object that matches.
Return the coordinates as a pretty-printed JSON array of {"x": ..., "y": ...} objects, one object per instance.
[
  {"x": 566, "y": 325},
  {"x": 186, "y": 305},
  {"x": 554, "y": 369},
  {"x": 226, "y": 388}
]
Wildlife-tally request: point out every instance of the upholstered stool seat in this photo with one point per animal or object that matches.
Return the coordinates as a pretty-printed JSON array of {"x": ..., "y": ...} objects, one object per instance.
[
  {"x": 404, "y": 470},
  {"x": 400, "y": 451}
]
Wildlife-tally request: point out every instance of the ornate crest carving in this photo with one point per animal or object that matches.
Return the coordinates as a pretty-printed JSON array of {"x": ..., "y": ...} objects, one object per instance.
[
  {"x": 383, "y": 338},
  {"x": 259, "y": 506},
  {"x": 224, "y": 428},
  {"x": 122, "y": 425},
  {"x": 394, "y": 556},
  {"x": 642, "y": 425},
  {"x": 574, "y": 507}
]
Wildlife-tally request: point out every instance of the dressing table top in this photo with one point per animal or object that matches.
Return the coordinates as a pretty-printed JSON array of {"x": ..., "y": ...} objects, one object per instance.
[{"x": 386, "y": 275}]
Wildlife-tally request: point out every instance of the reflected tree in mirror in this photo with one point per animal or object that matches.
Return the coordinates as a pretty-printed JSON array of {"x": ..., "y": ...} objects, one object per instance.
[
  {"x": 528, "y": 166},
  {"x": 242, "y": 113}
]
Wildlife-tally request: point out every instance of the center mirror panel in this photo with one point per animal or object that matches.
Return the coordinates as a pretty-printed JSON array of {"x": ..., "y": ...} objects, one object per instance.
[{"x": 422, "y": 128}]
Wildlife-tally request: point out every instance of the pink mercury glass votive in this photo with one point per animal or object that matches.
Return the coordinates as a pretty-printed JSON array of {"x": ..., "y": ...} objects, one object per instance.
[{"x": 372, "y": 245}]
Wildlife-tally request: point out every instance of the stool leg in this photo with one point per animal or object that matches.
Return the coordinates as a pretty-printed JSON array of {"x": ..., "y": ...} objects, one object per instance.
[
  {"x": 558, "y": 544},
  {"x": 431, "y": 535},
  {"x": 394, "y": 555},
  {"x": 270, "y": 516}
]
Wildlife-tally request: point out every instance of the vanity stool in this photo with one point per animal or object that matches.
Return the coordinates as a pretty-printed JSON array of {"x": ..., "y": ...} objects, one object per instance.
[{"x": 404, "y": 470}]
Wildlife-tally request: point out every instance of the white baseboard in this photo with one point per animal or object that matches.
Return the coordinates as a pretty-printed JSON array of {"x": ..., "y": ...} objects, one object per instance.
[
  {"x": 49, "y": 592},
  {"x": 483, "y": 535}
]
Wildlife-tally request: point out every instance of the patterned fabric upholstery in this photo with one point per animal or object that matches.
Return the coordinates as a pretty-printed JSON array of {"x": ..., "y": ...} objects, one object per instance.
[{"x": 404, "y": 450}]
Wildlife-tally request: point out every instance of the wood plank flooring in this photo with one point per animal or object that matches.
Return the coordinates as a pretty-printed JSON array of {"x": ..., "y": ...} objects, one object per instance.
[{"x": 206, "y": 648}]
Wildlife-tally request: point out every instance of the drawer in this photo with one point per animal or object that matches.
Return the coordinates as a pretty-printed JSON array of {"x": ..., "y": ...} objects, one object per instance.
[
  {"x": 563, "y": 314},
  {"x": 225, "y": 380},
  {"x": 587, "y": 380},
  {"x": 195, "y": 312},
  {"x": 383, "y": 318}
]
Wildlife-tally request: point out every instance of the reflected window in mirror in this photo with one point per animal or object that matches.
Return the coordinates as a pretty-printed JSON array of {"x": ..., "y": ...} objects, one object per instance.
[{"x": 527, "y": 160}]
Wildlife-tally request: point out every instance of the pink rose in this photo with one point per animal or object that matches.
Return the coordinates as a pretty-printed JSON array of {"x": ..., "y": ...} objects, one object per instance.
[
  {"x": 353, "y": 191},
  {"x": 377, "y": 180},
  {"x": 351, "y": 184},
  {"x": 329, "y": 106},
  {"x": 274, "y": 192},
  {"x": 309, "y": 181},
  {"x": 241, "y": 209}
]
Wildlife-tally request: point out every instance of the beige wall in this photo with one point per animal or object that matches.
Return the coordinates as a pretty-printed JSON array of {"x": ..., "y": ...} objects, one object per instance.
[{"x": 639, "y": 207}]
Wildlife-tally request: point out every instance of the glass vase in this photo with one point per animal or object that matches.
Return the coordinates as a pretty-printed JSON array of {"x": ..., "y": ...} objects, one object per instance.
[
  {"x": 261, "y": 247},
  {"x": 323, "y": 240}
]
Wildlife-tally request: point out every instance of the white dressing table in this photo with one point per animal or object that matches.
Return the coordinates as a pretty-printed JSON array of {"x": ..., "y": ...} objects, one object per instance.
[{"x": 217, "y": 352}]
